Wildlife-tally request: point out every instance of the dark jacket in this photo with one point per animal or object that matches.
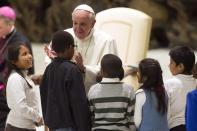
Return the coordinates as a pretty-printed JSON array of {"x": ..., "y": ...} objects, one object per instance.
[{"x": 63, "y": 98}]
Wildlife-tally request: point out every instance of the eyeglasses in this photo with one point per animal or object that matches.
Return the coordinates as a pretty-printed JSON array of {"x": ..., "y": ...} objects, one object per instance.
[{"x": 74, "y": 46}]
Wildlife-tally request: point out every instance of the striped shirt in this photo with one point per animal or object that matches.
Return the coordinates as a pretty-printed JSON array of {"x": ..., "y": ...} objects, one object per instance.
[{"x": 112, "y": 105}]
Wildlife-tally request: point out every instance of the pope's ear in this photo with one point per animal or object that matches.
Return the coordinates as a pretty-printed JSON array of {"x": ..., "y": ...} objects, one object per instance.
[{"x": 93, "y": 23}]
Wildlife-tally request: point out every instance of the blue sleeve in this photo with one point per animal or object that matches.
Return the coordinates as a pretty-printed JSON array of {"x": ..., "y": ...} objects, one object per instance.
[{"x": 191, "y": 112}]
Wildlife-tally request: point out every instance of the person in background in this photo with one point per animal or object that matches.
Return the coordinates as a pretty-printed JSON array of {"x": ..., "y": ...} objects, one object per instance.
[
  {"x": 191, "y": 107},
  {"x": 8, "y": 35},
  {"x": 21, "y": 93},
  {"x": 112, "y": 101},
  {"x": 63, "y": 98},
  {"x": 92, "y": 44},
  {"x": 151, "y": 98},
  {"x": 182, "y": 60}
]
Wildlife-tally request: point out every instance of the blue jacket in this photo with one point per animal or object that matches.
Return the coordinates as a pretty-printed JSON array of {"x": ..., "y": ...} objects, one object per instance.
[{"x": 191, "y": 111}]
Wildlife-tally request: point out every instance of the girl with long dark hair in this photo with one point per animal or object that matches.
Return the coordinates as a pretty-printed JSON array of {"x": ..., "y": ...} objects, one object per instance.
[
  {"x": 22, "y": 96},
  {"x": 151, "y": 98}
]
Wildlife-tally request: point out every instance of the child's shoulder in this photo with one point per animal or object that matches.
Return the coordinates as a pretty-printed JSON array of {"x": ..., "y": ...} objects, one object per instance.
[
  {"x": 14, "y": 75},
  {"x": 173, "y": 84},
  {"x": 94, "y": 87},
  {"x": 172, "y": 81}
]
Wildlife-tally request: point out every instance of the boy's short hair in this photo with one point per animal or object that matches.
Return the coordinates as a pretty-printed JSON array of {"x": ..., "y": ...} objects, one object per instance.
[
  {"x": 112, "y": 66},
  {"x": 184, "y": 55},
  {"x": 62, "y": 40}
]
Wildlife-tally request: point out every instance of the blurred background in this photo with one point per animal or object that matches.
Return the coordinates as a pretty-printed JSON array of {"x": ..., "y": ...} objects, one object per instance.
[{"x": 174, "y": 21}]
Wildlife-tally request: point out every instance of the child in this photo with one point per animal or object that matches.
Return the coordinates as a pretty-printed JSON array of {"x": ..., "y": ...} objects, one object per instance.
[
  {"x": 22, "y": 96},
  {"x": 63, "y": 98},
  {"x": 151, "y": 98},
  {"x": 182, "y": 60},
  {"x": 111, "y": 101}
]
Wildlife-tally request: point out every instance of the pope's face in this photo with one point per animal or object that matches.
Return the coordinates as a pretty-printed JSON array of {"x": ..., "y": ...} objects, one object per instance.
[{"x": 82, "y": 23}]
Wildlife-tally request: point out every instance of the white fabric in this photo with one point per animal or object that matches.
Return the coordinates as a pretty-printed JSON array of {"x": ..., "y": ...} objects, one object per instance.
[
  {"x": 84, "y": 7},
  {"x": 92, "y": 49},
  {"x": 94, "y": 46},
  {"x": 23, "y": 102},
  {"x": 140, "y": 100},
  {"x": 177, "y": 89}
]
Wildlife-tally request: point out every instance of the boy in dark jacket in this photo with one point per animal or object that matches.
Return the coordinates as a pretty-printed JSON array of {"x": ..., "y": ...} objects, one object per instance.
[{"x": 63, "y": 98}]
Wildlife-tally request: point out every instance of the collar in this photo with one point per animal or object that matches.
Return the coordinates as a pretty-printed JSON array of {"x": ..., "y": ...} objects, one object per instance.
[
  {"x": 24, "y": 72},
  {"x": 110, "y": 80},
  {"x": 184, "y": 76}
]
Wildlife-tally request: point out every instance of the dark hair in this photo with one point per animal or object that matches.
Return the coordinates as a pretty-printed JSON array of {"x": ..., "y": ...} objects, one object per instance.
[
  {"x": 61, "y": 40},
  {"x": 13, "y": 54},
  {"x": 184, "y": 55},
  {"x": 151, "y": 77},
  {"x": 112, "y": 66}
]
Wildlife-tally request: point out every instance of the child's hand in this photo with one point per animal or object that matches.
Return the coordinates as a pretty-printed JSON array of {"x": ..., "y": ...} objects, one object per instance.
[
  {"x": 37, "y": 79},
  {"x": 130, "y": 70},
  {"x": 40, "y": 122}
]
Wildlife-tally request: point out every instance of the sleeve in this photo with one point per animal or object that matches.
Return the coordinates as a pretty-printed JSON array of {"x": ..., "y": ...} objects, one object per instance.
[
  {"x": 17, "y": 99},
  {"x": 191, "y": 111},
  {"x": 188, "y": 111},
  {"x": 91, "y": 105},
  {"x": 79, "y": 102},
  {"x": 130, "y": 110},
  {"x": 140, "y": 100},
  {"x": 44, "y": 93},
  {"x": 90, "y": 76}
]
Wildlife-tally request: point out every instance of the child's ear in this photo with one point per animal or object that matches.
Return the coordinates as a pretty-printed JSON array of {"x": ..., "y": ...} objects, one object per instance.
[{"x": 181, "y": 68}]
